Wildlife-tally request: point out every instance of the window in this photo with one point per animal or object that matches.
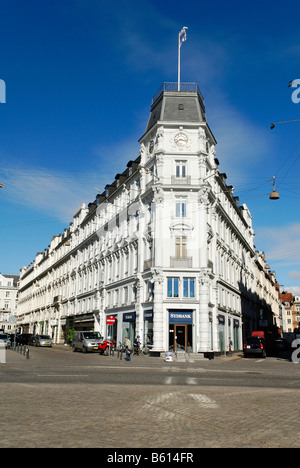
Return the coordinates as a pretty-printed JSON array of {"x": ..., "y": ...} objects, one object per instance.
[
  {"x": 7, "y": 294},
  {"x": 180, "y": 247},
  {"x": 181, "y": 207},
  {"x": 188, "y": 287},
  {"x": 125, "y": 295},
  {"x": 180, "y": 168},
  {"x": 173, "y": 287}
]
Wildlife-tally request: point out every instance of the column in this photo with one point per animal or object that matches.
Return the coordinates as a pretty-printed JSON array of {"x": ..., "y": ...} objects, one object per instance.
[{"x": 158, "y": 313}]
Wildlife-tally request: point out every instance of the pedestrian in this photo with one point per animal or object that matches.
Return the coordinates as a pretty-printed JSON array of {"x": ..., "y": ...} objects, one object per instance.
[{"x": 127, "y": 349}]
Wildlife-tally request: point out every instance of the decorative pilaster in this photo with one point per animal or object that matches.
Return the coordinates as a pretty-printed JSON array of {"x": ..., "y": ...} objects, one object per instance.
[{"x": 158, "y": 316}]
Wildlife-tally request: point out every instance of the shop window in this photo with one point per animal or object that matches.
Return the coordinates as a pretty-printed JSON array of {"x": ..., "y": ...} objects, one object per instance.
[{"x": 148, "y": 328}]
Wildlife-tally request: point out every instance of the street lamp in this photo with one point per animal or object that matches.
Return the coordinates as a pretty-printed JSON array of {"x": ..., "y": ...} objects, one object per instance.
[
  {"x": 286, "y": 121},
  {"x": 274, "y": 195}
]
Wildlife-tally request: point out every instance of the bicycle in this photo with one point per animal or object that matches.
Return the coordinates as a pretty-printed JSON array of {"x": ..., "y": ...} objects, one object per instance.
[
  {"x": 137, "y": 350},
  {"x": 145, "y": 351}
]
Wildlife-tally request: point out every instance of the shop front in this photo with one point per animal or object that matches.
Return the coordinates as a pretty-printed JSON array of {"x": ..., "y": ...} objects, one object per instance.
[
  {"x": 112, "y": 330},
  {"x": 229, "y": 333},
  {"x": 148, "y": 328},
  {"x": 129, "y": 326},
  {"x": 180, "y": 330},
  {"x": 85, "y": 322}
]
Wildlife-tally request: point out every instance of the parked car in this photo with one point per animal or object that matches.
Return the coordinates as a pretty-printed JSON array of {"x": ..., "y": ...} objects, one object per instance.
[
  {"x": 43, "y": 340},
  {"x": 255, "y": 346},
  {"x": 4, "y": 338},
  {"x": 282, "y": 345},
  {"x": 86, "y": 341},
  {"x": 24, "y": 338},
  {"x": 269, "y": 341},
  {"x": 12, "y": 338},
  {"x": 32, "y": 340}
]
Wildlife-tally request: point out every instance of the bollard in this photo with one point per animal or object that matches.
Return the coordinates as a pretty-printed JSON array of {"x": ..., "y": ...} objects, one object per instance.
[
  {"x": 27, "y": 353},
  {"x": 121, "y": 354},
  {"x": 24, "y": 350},
  {"x": 2, "y": 353}
]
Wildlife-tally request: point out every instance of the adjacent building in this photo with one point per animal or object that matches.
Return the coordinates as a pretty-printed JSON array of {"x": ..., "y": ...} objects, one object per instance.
[
  {"x": 8, "y": 302},
  {"x": 296, "y": 313},
  {"x": 167, "y": 248}
]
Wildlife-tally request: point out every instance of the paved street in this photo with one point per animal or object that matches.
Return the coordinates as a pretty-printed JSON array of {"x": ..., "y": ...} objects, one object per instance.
[{"x": 64, "y": 399}]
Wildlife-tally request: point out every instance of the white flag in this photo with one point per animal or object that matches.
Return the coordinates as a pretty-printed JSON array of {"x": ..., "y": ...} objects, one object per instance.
[{"x": 182, "y": 35}]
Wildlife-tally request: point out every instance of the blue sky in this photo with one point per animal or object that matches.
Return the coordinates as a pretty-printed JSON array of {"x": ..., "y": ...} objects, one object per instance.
[{"x": 80, "y": 75}]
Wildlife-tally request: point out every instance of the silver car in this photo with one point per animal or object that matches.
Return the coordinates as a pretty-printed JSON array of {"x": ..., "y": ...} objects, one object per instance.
[
  {"x": 4, "y": 338},
  {"x": 43, "y": 340}
]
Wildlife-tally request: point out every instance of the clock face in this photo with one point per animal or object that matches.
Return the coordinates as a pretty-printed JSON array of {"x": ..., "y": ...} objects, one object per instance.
[{"x": 181, "y": 139}]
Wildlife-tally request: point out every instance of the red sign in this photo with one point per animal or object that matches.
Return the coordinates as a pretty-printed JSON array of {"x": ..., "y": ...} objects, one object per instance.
[{"x": 110, "y": 320}]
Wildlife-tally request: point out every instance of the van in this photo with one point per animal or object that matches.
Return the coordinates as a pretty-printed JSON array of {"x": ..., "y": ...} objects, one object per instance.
[{"x": 86, "y": 341}]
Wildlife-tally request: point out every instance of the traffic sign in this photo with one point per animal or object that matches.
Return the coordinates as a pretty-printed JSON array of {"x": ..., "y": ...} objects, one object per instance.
[{"x": 110, "y": 320}]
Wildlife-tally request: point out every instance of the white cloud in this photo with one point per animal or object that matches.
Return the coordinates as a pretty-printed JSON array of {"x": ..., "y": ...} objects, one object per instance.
[
  {"x": 283, "y": 243},
  {"x": 295, "y": 290},
  {"x": 54, "y": 193},
  {"x": 294, "y": 274}
]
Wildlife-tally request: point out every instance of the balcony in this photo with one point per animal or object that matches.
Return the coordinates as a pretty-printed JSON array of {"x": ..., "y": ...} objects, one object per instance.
[
  {"x": 148, "y": 264},
  {"x": 180, "y": 263},
  {"x": 181, "y": 180},
  {"x": 57, "y": 299}
]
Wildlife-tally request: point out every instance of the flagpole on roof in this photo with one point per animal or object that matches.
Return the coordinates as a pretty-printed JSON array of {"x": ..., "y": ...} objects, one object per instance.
[{"x": 181, "y": 39}]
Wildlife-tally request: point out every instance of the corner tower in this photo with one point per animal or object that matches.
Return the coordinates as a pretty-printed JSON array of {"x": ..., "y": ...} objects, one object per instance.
[
  {"x": 177, "y": 157},
  {"x": 182, "y": 111}
]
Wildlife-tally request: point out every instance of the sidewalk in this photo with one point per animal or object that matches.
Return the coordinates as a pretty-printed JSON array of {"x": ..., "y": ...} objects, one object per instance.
[{"x": 196, "y": 356}]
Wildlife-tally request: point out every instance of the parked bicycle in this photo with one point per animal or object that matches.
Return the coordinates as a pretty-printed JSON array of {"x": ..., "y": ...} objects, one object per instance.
[{"x": 139, "y": 351}]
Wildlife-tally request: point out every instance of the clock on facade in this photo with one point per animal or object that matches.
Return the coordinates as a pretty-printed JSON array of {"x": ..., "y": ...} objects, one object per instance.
[{"x": 181, "y": 139}]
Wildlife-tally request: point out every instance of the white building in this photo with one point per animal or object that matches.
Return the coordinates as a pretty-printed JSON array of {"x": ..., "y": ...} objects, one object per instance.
[
  {"x": 166, "y": 248},
  {"x": 8, "y": 301}
]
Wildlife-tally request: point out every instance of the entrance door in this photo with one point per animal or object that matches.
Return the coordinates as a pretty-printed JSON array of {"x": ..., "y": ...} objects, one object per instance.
[{"x": 180, "y": 337}]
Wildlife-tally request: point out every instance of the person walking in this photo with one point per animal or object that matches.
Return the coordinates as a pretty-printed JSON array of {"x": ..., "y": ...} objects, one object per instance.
[{"x": 127, "y": 349}]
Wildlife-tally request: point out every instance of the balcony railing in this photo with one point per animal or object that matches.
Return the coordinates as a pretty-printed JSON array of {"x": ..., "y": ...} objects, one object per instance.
[
  {"x": 181, "y": 262},
  {"x": 184, "y": 87},
  {"x": 181, "y": 180}
]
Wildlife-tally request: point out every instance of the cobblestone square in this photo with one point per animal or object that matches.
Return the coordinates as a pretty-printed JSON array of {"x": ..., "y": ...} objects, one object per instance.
[{"x": 180, "y": 413}]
